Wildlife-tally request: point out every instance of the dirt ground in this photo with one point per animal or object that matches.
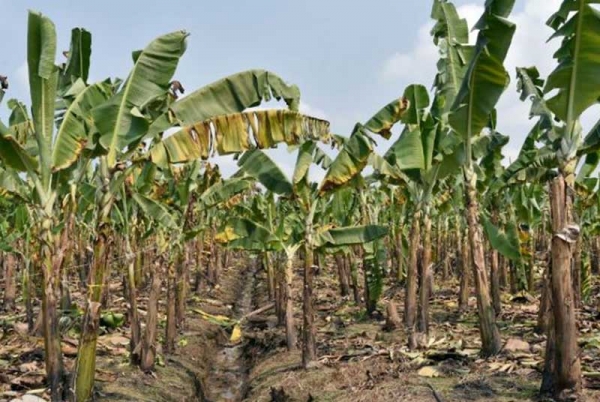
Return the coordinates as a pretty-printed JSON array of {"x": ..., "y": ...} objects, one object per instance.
[{"x": 358, "y": 359}]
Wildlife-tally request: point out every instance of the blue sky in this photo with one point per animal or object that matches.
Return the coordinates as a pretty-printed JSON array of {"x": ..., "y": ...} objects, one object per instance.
[{"x": 349, "y": 58}]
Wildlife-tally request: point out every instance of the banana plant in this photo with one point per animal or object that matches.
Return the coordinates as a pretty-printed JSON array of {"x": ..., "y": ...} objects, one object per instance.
[
  {"x": 471, "y": 112},
  {"x": 558, "y": 103},
  {"x": 417, "y": 154},
  {"x": 33, "y": 148}
]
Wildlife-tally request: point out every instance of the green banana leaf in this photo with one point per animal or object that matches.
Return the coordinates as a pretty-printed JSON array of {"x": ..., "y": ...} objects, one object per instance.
[
  {"x": 576, "y": 77},
  {"x": 229, "y": 95},
  {"x": 117, "y": 120},
  {"x": 258, "y": 165},
  {"x": 73, "y": 132},
  {"x": 155, "y": 210},
  {"x": 505, "y": 241},
  {"x": 345, "y": 236},
  {"x": 224, "y": 191},
  {"x": 486, "y": 78},
  {"x": 43, "y": 79}
]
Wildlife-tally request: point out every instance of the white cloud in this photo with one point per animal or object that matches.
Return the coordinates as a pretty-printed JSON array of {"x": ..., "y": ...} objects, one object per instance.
[
  {"x": 528, "y": 48},
  {"x": 417, "y": 65},
  {"x": 310, "y": 110},
  {"x": 22, "y": 78}
]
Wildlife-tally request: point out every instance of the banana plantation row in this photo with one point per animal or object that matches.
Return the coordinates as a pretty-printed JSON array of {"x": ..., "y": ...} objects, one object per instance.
[{"x": 111, "y": 179}]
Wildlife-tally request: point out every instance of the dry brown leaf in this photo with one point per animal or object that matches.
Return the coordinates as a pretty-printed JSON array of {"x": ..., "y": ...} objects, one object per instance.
[{"x": 429, "y": 371}]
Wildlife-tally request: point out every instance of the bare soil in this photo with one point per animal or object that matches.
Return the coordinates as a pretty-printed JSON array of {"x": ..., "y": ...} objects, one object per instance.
[{"x": 358, "y": 359}]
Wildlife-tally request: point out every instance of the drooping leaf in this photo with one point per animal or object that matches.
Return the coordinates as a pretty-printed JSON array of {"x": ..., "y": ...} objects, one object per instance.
[
  {"x": 224, "y": 191},
  {"x": 155, "y": 210},
  {"x": 305, "y": 159},
  {"x": 530, "y": 85},
  {"x": 407, "y": 152},
  {"x": 13, "y": 154},
  {"x": 414, "y": 148},
  {"x": 245, "y": 234},
  {"x": 76, "y": 125},
  {"x": 350, "y": 161},
  {"x": 258, "y": 165},
  {"x": 383, "y": 121},
  {"x": 346, "y": 236},
  {"x": 11, "y": 183},
  {"x": 506, "y": 242},
  {"x": 118, "y": 124},
  {"x": 238, "y": 133},
  {"x": 230, "y": 95}
]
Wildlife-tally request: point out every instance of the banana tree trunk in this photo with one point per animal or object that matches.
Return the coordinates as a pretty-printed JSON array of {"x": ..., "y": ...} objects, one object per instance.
[
  {"x": 225, "y": 258},
  {"x": 399, "y": 254},
  {"x": 212, "y": 260},
  {"x": 444, "y": 250},
  {"x": 28, "y": 292},
  {"x": 567, "y": 365},
  {"x": 503, "y": 271},
  {"x": 267, "y": 263},
  {"x": 199, "y": 263},
  {"x": 530, "y": 261},
  {"x": 290, "y": 327},
  {"x": 149, "y": 341},
  {"x": 218, "y": 263},
  {"x": 171, "y": 327},
  {"x": 280, "y": 292},
  {"x": 86, "y": 355},
  {"x": 10, "y": 282},
  {"x": 369, "y": 305},
  {"x": 438, "y": 254},
  {"x": 134, "y": 319},
  {"x": 139, "y": 267},
  {"x": 495, "y": 279},
  {"x": 309, "y": 348},
  {"x": 424, "y": 290},
  {"x": 494, "y": 272},
  {"x": 342, "y": 275},
  {"x": 352, "y": 263},
  {"x": 50, "y": 297},
  {"x": 514, "y": 277},
  {"x": 182, "y": 271},
  {"x": 545, "y": 311},
  {"x": 548, "y": 372},
  {"x": 595, "y": 257},
  {"x": 410, "y": 302},
  {"x": 576, "y": 272},
  {"x": 465, "y": 269},
  {"x": 490, "y": 337}
]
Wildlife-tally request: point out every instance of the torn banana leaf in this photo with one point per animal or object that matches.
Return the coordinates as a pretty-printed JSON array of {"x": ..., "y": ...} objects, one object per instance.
[
  {"x": 235, "y": 133},
  {"x": 355, "y": 153},
  {"x": 351, "y": 160},
  {"x": 229, "y": 95}
]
